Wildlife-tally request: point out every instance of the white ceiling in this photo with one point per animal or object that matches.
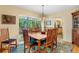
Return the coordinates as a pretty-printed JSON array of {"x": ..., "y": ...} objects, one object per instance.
[{"x": 48, "y": 9}]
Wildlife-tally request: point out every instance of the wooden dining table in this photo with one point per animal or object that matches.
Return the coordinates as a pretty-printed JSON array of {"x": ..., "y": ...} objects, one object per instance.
[{"x": 39, "y": 37}]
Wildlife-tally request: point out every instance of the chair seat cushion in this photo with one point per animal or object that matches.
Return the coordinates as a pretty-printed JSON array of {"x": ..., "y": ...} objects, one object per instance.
[{"x": 8, "y": 41}]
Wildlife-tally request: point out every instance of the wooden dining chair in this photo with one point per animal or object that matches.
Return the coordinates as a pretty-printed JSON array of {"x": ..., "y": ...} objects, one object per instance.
[
  {"x": 54, "y": 36},
  {"x": 49, "y": 41},
  {"x": 27, "y": 43},
  {"x": 51, "y": 38},
  {"x": 6, "y": 40},
  {"x": 26, "y": 40}
]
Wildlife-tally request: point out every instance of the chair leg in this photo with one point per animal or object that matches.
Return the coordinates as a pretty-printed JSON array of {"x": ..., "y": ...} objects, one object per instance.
[
  {"x": 1, "y": 47},
  {"x": 24, "y": 50},
  {"x": 9, "y": 49},
  {"x": 29, "y": 50},
  {"x": 52, "y": 47},
  {"x": 56, "y": 44},
  {"x": 16, "y": 44}
]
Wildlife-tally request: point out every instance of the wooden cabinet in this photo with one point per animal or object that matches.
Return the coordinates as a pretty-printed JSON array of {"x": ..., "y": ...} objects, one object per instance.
[
  {"x": 75, "y": 36},
  {"x": 75, "y": 30}
]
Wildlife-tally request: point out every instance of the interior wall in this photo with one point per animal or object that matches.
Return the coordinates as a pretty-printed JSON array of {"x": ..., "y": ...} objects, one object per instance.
[
  {"x": 67, "y": 23},
  {"x": 14, "y": 28},
  {"x": 12, "y": 10}
]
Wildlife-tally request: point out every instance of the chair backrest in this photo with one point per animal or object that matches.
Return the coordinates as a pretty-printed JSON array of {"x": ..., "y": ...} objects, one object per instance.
[
  {"x": 4, "y": 34},
  {"x": 54, "y": 35},
  {"x": 51, "y": 36},
  {"x": 25, "y": 37}
]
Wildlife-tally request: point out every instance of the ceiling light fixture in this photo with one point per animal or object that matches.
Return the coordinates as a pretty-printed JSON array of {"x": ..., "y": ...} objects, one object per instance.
[{"x": 43, "y": 16}]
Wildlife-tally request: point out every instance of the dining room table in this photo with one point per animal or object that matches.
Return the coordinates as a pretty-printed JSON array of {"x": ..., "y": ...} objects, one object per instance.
[{"x": 39, "y": 36}]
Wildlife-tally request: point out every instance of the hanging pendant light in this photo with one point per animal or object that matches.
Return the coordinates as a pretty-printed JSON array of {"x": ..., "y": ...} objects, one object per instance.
[
  {"x": 43, "y": 16},
  {"x": 42, "y": 20}
]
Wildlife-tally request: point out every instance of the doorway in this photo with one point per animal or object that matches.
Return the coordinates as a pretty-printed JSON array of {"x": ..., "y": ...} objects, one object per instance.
[{"x": 59, "y": 24}]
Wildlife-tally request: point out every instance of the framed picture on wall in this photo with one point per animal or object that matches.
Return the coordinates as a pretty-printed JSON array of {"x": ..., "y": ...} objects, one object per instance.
[{"x": 8, "y": 19}]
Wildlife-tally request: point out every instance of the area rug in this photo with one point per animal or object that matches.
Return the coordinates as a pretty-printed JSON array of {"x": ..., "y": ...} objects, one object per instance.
[{"x": 61, "y": 48}]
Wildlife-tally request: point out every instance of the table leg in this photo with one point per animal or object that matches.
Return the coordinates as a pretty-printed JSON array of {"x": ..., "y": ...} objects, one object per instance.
[{"x": 39, "y": 45}]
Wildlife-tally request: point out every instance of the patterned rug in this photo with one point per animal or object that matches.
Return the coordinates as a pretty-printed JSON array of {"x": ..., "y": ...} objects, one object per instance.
[
  {"x": 64, "y": 48},
  {"x": 61, "y": 48}
]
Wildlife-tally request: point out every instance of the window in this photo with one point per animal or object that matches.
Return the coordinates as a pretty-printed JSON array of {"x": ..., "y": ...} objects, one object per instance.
[{"x": 29, "y": 23}]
